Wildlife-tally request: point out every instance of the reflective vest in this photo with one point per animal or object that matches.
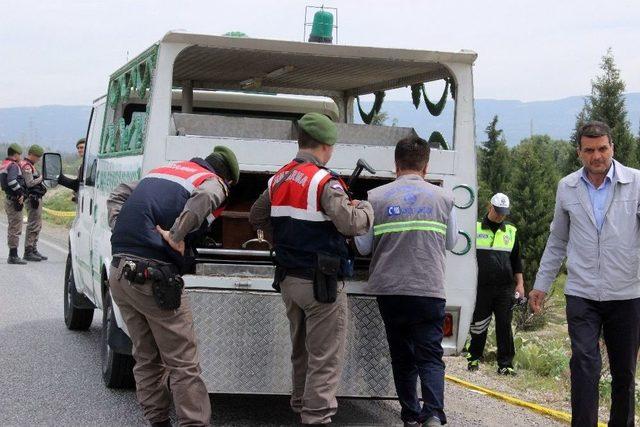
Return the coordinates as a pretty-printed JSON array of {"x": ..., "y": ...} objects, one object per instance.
[
  {"x": 14, "y": 187},
  {"x": 159, "y": 199},
  {"x": 300, "y": 227},
  {"x": 493, "y": 252}
]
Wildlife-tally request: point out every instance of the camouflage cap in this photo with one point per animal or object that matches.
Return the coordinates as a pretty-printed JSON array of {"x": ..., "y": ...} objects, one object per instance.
[
  {"x": 319, "y": 127},
  {"x": 16, "y": 148},
  {"x": 36, "y": 150}
]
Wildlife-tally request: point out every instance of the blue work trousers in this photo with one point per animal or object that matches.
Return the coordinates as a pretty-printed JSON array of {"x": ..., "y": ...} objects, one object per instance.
[{"x": 414, "y": 332}]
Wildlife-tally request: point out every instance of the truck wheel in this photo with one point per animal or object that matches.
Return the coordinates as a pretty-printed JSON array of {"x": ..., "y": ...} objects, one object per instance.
[
  {"x": 76, "y": 319},
  {"x": 117, "y": 369}
]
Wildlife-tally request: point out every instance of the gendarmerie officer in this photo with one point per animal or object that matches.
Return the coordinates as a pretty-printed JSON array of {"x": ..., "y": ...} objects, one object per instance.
[
  {"x": 311, "y": 213},
  {"x": 35, "y": 191},
  {"x": 154, "y": 221},
  {"x": 15, "y": 189}
]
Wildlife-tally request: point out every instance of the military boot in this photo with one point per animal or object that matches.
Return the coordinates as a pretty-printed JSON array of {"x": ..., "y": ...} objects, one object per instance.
[
  {"x": 42, "y": 257},
  {"x": 30, "y": 255},
  {"x": 14, "y": 258}
]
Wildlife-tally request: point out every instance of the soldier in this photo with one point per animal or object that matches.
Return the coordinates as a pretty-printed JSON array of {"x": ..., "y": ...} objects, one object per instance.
[
  {"x": 311, "y": 213},
  {"x": 14, "y": 187},
  {"x": 36, "y": 190},
  {"x": 154, "y": 221}
]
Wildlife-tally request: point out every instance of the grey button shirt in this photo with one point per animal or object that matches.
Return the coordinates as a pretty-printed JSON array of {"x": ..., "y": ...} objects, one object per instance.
[{"x": 602, "y": 265}]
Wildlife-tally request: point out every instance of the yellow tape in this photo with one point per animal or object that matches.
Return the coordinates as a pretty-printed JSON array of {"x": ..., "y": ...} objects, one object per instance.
[
  {"x": 63, "y": 214},
  {"x": 560, "y": 415}
]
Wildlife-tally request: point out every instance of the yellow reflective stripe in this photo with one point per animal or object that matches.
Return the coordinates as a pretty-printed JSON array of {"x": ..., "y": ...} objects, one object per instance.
[{"x": 400, "y": 226}]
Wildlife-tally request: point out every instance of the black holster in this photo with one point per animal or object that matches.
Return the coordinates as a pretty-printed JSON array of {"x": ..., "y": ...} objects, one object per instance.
[
  {"x": 34, "y": 201},
  {"x": 166, "y": 283},
  {"x": 279, "y": 276},
  {"x": 16, "y": 204},
  {"x": 167, "y": 287},
  {"x": 325, "y": 279}
]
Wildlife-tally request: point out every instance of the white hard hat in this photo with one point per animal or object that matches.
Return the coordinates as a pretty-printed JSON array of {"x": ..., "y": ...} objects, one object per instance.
[{"x": 501, "y": 204}]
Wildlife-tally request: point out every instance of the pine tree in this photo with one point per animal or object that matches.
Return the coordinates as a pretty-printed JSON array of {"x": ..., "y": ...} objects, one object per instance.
[
  {"x": 532, "y": 192},
  {"x": 494, "y": 164},
  {"x": 607, "y": 104}
]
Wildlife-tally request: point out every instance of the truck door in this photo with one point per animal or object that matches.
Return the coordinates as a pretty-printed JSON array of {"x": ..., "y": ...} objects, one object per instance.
[{"x": 86, "y": 207}]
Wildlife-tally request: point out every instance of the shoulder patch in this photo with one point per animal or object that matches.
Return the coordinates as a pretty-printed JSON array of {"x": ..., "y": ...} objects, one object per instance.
[{"x": 337, "y": 186}]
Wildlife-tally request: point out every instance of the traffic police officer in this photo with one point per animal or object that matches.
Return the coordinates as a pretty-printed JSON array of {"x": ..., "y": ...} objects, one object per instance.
[
  {"x": 154, "y": 221},
  {"x": 310, "y": 213},
  {"x": 414, "y": 224},
  {"x": 36, "y": 190},
  {"x": 499, "y": 263},
  {"x": 14, "y": 187}
]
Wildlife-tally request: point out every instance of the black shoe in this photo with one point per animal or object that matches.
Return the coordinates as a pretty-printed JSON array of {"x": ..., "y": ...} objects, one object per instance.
[
  {"x": 42, "y": 257},
  {"x": 507, "y": 370},
  {"x": 15, "y": 259},
  {"x": 473, "y": 365},
  {"x": 166, "y": 423},
  {"x": 30, "y": 255},
  {"x": 412, "y": 424}
]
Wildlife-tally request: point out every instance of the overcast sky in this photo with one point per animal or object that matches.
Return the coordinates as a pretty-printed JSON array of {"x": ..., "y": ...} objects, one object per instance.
[{"x": 61, "y": 52}]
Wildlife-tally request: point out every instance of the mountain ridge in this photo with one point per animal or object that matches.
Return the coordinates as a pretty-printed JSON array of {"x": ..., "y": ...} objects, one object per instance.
[{"x": 58, "y": 127}]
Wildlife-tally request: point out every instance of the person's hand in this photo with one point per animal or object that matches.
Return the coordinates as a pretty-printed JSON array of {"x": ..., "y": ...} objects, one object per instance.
[
  {"x": 520, "y": 290},
  {"x": 21, "y": 200},
  {"x": 166, "y": 235},
  {"x": 354, "y": 202},
  {"x": 536, "y": 300}
]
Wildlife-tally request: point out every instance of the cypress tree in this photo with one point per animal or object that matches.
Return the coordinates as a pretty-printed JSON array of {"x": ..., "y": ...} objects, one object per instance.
[
  {"x": 532, "y": 192},
  {"x": 607, "y": 104},
  {"x": 494, "y": 164}
]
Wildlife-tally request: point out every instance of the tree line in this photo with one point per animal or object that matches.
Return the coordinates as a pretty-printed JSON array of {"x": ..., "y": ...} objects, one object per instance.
[{"x": 529, "y": 172}]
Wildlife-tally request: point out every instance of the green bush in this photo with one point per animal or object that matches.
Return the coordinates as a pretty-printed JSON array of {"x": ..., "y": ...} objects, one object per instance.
[{"x": 548, "y": 358}]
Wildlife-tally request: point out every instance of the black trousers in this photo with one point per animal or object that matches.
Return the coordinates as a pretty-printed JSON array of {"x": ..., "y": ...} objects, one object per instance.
[
  {"x": 496, "y": 300},
  {"x": 414, "y": 332},
  {"x": 619, "y": 324}
]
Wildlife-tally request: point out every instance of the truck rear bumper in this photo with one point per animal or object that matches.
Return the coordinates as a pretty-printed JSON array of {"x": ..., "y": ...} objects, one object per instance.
[{"x": 244, "y": 344}]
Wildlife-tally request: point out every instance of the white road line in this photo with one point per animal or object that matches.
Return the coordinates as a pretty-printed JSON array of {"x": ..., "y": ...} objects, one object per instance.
[{"x": 52, "y": 245}]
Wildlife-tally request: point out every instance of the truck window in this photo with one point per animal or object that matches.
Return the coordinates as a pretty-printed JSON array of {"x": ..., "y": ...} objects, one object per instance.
[{"x": 125, "y": 118}]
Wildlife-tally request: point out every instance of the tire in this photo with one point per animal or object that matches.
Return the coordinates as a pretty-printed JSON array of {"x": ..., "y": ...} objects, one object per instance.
[
  {"x": 117, "y": 369},
  {"x": 76, "y": 319}
]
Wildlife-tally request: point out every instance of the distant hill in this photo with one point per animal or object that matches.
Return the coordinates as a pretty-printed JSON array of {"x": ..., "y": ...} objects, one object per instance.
[
  {"x": 518, "y": 119},
  {"x": 56, "y": 127},
  {"x": 59, "y": 127}
]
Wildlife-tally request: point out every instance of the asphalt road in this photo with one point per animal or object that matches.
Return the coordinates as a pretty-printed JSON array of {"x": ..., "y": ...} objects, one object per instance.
[{"x": 51, "y": 376}]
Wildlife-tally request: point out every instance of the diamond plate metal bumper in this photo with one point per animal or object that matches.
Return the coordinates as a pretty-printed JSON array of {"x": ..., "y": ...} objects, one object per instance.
[{"x": 243, "y": 338}]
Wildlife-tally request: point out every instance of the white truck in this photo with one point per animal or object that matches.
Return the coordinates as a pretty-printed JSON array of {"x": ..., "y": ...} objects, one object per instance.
[{"x": 190, "y": 92}]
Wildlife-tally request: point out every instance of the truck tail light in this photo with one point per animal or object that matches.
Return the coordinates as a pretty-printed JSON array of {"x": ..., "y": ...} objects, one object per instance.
[{"x": 447, "y": 327}]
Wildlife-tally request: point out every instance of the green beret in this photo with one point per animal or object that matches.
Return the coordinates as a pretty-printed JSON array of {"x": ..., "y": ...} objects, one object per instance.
[
  {"x": 36, "y": 150},
  {"x": 319, "y": 127},
  {"x": 230, "y": 159},
  {"x": 16, "y": 148}
]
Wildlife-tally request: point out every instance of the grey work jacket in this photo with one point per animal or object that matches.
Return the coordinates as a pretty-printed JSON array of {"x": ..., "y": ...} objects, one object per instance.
[
  {"x": 410, "y": 225},
  {"x": 602, "y": 266}
]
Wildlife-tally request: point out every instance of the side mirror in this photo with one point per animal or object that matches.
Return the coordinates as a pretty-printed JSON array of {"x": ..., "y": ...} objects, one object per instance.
[{"x": 51, "y": 166}]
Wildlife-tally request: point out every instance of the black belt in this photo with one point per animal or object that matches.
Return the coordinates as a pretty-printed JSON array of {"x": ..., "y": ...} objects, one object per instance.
[{"x": 300, "y": 273}]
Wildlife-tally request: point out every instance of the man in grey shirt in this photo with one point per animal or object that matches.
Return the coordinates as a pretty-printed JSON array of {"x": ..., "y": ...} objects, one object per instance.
[
  {"x": 413, "y": 225},
  {"x": 596, "y": 228}
]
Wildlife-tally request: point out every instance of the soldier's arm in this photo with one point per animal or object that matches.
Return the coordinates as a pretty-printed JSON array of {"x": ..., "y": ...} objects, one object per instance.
[
  {"x": 116, "y": 200},
  {"x": 205, "y": 199},
  {"x": 260, "y": 213},
  {"x": 349, "y": 219}
]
